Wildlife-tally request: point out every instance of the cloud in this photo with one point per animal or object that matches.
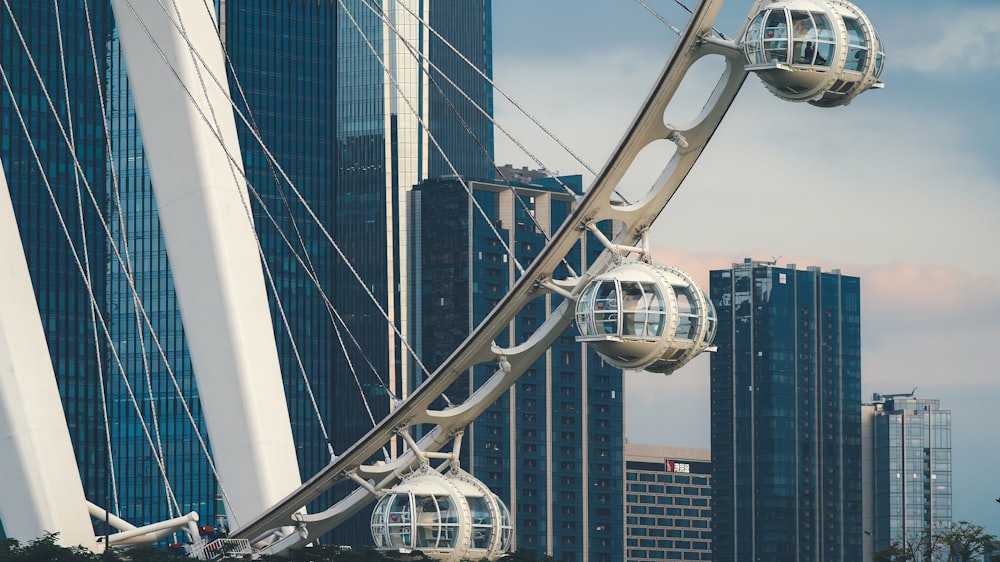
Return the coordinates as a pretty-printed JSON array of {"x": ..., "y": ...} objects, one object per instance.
[
  {"x": 919, "y": 322},
  {"x": 876, "y": 182},
  {"x": 929, "y": 326},
  {"x": 906, "y": 295},
  {"x": 949, "y": 40},
  {"x": 585, "y": 99},
  {"x": 901, "y": 188}
]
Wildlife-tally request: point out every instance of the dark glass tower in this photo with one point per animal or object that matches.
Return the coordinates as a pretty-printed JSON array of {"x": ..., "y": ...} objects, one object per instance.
[
  {"x": 339, "y": 119},
  {"x": 551, "y": 448},
  {"x": 54, "y": 200},
  {"x": 786, "y": 415},
  {"x": 908, "y": 463}
]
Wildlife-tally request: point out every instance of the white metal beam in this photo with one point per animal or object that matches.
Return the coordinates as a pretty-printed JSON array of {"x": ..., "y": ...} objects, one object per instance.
[
  {"x": 40, "y": 487},
  {"x": 176, "y": 69},
  {"x": 595, "y": 206}
]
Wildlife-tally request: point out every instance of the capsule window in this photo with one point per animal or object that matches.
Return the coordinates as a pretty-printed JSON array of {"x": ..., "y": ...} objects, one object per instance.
[
  {"x": 584, "y": 318},
  {"x": 482, "y": 524},
  {"x": 632, "y": 304},
  {"x": 776, "y": 37},
  {"x": 813, "y": 40},
  {"x": 606, "y": 308},
  {"x": 395, "y": 524},
  {"x": 790, "y": 37},
  {"x": 711, "y": 319},
  {"x": 752, "y": 43},
  {"x": 642, "y": 309},
  {"x": 857, "y": 49},
  {"x": 506, "y": 527},
  {"x": 655, "y": 310},
  {"x": 436, "y": 522},
  {"x": 879, "y": 57},
  {"x": 687, "y": 314}
]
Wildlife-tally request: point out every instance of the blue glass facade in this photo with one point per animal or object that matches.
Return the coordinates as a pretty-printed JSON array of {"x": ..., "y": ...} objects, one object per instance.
[
  {"x": 911, "y": 473},
  {"x": 786, "y": 414},
  {"x": 48, "y": 190},
  {"x": 551, "y": 448},
  {"x": 317, "y": 96},
  {"x": 463, "y": 131}
]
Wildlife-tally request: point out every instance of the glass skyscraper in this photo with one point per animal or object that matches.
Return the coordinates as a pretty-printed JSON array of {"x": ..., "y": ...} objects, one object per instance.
[
  {"x": 551, "y": 447},
  {"x": 786, "y": 414},
  {"x": 907, "y": 468},
  {"x": 64, "y": 244},
  {"x": 339, "y": 98}
]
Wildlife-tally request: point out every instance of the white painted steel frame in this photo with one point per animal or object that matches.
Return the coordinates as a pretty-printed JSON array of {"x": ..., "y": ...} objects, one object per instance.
[
  {"x": 209, "y": 234},
  {"x": 189, "y": 132},
  {"x": 40, "y": 482},
  {"x": 595, "y": 206}
]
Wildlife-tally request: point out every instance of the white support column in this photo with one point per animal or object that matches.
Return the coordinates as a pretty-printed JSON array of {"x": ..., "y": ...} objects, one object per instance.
[
  {"x": 202, "y": 200},
  {"x": 40, "y": 487}
]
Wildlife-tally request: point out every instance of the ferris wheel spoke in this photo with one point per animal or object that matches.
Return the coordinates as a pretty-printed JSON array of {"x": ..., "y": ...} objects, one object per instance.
[
  {"x": 537, "y": 281},
  {"x": 635, "y": 314}
]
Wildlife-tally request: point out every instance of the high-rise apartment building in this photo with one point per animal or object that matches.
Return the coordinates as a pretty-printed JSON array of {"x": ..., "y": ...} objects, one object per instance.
[
  {"x": 907, "y": 468},
  {"x": 336, "y": 93},
  {"x": 786, "y": 414},
  {"x": 551, "y": 447},
  {"x": 668, "y": 491}
]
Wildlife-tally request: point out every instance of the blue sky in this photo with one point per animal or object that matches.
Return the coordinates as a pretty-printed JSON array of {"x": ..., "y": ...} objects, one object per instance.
[{"x": 901, "y": 188}]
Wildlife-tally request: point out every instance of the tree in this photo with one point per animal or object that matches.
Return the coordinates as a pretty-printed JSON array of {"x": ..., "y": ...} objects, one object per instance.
[
  {"x": 963, "y": 540},
  {"x": 950, "y": 542},
  {"x": 43, "y": 549},
  {"x": 907, "y": 549}
]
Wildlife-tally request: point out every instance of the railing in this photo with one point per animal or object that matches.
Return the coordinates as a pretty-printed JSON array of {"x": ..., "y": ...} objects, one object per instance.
[{"x": 221, "y": 547}]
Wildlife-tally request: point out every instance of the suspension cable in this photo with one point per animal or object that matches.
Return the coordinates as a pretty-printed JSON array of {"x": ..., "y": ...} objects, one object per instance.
[
  {"x": 271, "y": 158},
  {"x": 146, "y": 371},
  {"x": 76, "y": 257},
  {"x": 129, "y": 278},
  {"x": 503, "y": 93},
  {"x": 660, "y": 17},
  {"x": 235, "y": 173},
  {"x": 516, "y": 106},
  {"x": 688, "y": 10},
  {"x": 414, "y": 52},
  {"x": 297, "y": 193},
  {"x": 86, "y": 264},
  {"x": 433, "y": 140},
  {"x": 266, "y": 270},
  {"x": 306, "y": 261},
  {"x": 115, "y": 198}
]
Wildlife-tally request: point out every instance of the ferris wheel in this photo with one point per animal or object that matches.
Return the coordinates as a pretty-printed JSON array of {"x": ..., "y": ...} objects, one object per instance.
[{"x": 633, "y": 312}]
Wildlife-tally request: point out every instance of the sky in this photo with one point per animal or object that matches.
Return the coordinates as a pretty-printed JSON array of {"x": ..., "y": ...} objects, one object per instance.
[{"x": 900, "y": 188}]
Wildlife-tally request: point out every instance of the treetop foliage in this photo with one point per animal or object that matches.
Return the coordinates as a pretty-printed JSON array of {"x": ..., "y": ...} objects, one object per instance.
[
  {"x": 45, "y": 549},
  {"x": 951, "y": 542}
]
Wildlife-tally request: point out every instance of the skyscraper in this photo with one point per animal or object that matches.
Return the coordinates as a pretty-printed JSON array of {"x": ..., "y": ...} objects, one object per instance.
[
  {"x": 786, "y": 414},
  {"x": 46, "y": 191},
  {"x": 907, "y": 464},
  {"x": 338, "y": 97},
  {"x": 551, "y": 447}
]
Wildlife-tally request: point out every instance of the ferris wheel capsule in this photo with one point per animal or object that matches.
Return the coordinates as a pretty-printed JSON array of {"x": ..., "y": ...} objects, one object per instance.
[
  {"x": 448, "y": 517},
  {"x": 645, "y": 316},
  {"x": 825, "y": 52}
]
